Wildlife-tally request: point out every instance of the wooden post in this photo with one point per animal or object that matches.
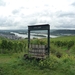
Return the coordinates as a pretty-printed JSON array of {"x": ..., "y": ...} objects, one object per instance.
[
  {"x": 48, "y": 41},
  {"x": 28, "y": 38}
]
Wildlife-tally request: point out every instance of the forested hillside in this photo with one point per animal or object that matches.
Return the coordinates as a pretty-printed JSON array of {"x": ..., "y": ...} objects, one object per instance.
[{"x": 63, "y": 32}]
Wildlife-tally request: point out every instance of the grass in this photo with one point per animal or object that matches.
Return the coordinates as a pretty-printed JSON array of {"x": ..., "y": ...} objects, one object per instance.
[{"x": 15, "y": 64}]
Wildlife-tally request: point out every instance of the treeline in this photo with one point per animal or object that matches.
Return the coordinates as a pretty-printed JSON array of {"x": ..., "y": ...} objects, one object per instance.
[{"x": 10, "y": 46}]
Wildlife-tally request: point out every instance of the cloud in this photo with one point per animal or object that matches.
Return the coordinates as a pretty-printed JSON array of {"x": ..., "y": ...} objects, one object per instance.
[
  {"x": 15, "y": 11},
  {"x": 7, "y": 22},
  {"x": 19, "y": 14},
  {"x": 67, "y": 14},
  {"x": 73, "y": 4},
  {"x": 2, "y": 3},
  {"x": 66, "y": 26},
  {"x": 18, "y": 10},
  {"x": 66, "y": 23},
  {"x": 56, "y": 20},
  {"x": 36, "y": 18}
]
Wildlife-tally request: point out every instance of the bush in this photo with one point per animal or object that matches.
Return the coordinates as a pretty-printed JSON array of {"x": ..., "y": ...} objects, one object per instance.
[
  {"x": 4, "y": 44},
  {"x": 59, "y": 54},
  {"x": 64, "y": 43},
  {"x": 58, "y": 43},
  {"x": 68, "y": 65},
  {"x": 70, "y": 44},
  {"x": 49, "y": 63},
  {"x": 72, "y": 50},
  {"x": 8, "y": 46},
  {"x": 56, "y": 51},
  {"x": 39, "y": 41}
]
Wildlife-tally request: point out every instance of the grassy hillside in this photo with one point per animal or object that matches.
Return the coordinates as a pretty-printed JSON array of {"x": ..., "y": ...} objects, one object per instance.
[
  {"x": 60, "y": 32},
  {"x": 60, "y": 62}
]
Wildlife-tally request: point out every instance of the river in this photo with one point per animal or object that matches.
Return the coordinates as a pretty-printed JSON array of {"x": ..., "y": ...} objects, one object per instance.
[{"x": 33, "y": 35}]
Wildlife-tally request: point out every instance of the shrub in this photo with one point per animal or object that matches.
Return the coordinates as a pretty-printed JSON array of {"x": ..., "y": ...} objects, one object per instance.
[
  {"x": 49, "y": 63},
  {"x": 68, "y": 65},
  {"x": 56, "y": 51},
  {"x": 4, "y": 44},
  {"x": 10, "y": 45},
  {"x": 59, "y": 54},
  {"x": 58, "y": 43},
  {"x": 72, "y": 50},
  {"x": 70, "y": 44}
]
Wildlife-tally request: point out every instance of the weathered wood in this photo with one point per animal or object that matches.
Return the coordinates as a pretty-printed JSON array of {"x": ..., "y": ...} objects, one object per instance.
[{"x": 38, "y": 51}]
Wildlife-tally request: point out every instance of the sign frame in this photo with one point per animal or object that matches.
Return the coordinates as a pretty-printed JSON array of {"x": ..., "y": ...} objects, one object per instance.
[{"x": 40, "y": 27}]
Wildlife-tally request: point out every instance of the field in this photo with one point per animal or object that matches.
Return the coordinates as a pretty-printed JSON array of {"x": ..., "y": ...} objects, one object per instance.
[{"x": 60, "y": 62}]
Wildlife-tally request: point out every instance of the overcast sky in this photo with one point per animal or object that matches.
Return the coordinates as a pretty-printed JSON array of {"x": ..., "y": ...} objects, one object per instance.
[{"x": 18, "y": 14}]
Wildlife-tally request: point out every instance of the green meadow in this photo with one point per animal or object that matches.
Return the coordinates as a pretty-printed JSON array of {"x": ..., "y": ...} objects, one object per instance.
[{"x": 60, "y": 62}]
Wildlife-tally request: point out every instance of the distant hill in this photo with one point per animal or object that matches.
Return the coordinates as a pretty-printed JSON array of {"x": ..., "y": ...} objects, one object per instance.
[{"x": 63, "y": 32}]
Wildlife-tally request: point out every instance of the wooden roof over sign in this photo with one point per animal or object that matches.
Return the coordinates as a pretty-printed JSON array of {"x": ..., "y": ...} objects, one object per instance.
[{"x": 39, "y": 27}]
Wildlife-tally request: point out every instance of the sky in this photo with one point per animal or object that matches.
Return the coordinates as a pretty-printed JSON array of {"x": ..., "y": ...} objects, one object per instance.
[{"x": 18, "y": 14}]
